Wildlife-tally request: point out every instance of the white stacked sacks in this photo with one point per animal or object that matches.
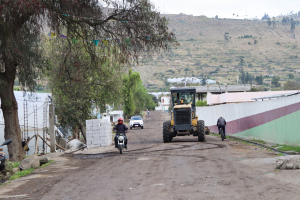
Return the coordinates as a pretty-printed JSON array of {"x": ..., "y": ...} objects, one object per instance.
[{"x": 98, "y": 133}]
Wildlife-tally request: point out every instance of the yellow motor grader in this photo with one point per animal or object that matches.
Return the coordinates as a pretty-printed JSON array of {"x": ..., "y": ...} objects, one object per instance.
[{"x": 183, "y": 116}]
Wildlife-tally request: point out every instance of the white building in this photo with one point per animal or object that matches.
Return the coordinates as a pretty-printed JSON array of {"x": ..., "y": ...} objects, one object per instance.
[
  {"x": 164, "y": 104},
  {"x": 113, "y": 116},
  {"x": 190, "y": 80}
]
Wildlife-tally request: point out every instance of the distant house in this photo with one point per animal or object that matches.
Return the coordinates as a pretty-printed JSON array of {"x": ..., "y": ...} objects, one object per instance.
[
  {"x": 164, "y": 104},
  {"x": 190, "y": 80}
]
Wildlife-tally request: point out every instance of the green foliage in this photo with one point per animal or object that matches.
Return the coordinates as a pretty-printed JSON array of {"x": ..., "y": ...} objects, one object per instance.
[
  {"x": 269, "y": 22},
  {"x": 292, "y": 85},
  {"x": 17, "y": 88},
  {"x": 246, "y": 36},
  {"x": 246, "y": 77},
  {"x": 130, "y": 83},
  {"x": 136, "y": 97},
  {"x": 242, "y": 62},
  {"x": 186, "y": 69},
  {"x": 22, "y": 49},
  {"x": 201, "y": 103},
  {"x": 291, "y": 75},
  {"x": 15, "y": 164},
  {"x": 21, "y": 174},
  {"x": 80, "y": 82},
  {"x": 259, "y": 80},
  {"x": 293, "y": 24},
  {"x": 288, "y": 148},
  {"x": 171, "y": 71},
  {"x": 226, "y": 37},
  {"x": 258, "y": 141},
  {"x": 265, "y": 17},
  {"x": 275, "y": 81}
]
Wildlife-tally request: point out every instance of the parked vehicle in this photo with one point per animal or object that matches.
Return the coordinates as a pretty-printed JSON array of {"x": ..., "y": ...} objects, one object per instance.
[
  {"x": 136, "y": 121},
  {"x": 2, "y": 155},
  {"x": 121, "y": 142}
]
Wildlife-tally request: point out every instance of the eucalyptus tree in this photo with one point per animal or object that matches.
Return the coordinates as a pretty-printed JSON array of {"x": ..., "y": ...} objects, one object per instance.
[{"x": 133, "y": 24}]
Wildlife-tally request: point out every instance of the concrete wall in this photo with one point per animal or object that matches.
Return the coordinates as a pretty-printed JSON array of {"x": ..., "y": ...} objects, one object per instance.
[
  {"x": 272, "y": 120},
  {"x": 98, "y": 133},
  {"x": 239, "y": 97}
]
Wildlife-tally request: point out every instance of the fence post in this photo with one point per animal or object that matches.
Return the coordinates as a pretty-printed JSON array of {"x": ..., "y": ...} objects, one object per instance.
[{"x": 51, "y": 128}]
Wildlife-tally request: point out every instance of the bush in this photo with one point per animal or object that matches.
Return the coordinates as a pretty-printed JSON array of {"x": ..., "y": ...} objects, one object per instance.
[
  {"x": 16, "y": 88},
  {"x": 201, "y": 103}
]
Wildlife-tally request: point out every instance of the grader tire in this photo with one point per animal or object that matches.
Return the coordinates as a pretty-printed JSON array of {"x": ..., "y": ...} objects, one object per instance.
[
  {"x": 166, "y": 132},
  {"x": 201, "y": 131},
  {"x": 207, "y": 131}
]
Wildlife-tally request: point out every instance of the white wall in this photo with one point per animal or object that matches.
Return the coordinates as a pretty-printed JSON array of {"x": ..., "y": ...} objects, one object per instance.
[{"x": 233, "y": 111}]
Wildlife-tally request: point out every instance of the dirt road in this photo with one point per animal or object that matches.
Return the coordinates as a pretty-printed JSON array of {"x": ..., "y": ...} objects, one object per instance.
[{"x": 150, "y": 169}]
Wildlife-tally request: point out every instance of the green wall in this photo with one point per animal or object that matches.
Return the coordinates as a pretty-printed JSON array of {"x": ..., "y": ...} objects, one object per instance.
[{"x": 284, "y": 130}]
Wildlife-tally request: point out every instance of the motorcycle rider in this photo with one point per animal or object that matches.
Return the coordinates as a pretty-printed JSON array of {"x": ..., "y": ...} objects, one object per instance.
[{"x": 120, "y": 128}]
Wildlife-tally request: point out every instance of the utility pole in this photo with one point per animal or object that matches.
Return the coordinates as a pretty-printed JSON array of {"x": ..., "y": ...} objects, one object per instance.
[{"x": 51, "y": 128}]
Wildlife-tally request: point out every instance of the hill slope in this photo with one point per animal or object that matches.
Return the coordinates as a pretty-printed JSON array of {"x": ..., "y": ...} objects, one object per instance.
[{"x": 204, "y": 50}]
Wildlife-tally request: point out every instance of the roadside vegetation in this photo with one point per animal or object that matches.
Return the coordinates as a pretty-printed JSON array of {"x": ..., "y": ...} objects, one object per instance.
[
  {"x": 80, "y": 59},
  {"x": 287, "y": 148}
]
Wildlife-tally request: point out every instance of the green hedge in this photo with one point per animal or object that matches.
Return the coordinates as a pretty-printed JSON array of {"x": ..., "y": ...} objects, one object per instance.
[{"x": 201, "y": 103}]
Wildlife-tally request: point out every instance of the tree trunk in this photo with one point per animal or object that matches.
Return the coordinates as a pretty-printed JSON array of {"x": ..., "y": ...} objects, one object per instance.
[
  {"x": 9, "y": 108},
  {"x": 83, "y": 131}
]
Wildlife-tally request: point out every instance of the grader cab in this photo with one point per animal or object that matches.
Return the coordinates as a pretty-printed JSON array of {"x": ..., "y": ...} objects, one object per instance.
[{"x": 183, "y": 116}]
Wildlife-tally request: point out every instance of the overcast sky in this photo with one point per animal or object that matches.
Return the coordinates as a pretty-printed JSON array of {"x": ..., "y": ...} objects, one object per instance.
[{"x": 226, "y": 8}]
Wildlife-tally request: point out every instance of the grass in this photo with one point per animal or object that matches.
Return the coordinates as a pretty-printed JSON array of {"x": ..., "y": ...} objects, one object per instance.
[
  {"x": 47, "y": 164},
  {"x": 280, "y": 154},
  {"x": 15, "y": 164},
  {"x": 258, "y": 141},
  {"x": 21, "y": 174},
  {"x": 27, "y": 171},
  {"x": 288, "y": 148}
]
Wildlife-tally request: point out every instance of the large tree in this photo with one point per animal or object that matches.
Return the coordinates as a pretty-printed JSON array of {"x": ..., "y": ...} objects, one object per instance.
[{"x": 133, "y": 25}]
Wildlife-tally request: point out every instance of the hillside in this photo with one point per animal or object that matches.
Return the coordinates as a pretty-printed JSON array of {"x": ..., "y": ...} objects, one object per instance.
[{"x": 204, "y": 50}]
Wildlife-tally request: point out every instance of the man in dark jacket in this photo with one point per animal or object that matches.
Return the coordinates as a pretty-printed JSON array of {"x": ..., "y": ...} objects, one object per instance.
[
  {"x": 120, "y": 128},
  {"x": 221, "y": 124}
]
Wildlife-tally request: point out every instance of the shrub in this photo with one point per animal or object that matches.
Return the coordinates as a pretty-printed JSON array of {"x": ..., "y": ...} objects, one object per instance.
[
  {"x": 201, "y": 103},
  {"x": 16, "y": 88}
]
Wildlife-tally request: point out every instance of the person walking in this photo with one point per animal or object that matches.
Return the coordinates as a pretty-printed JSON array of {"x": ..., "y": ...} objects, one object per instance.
[{"x": 221, "y": 124}]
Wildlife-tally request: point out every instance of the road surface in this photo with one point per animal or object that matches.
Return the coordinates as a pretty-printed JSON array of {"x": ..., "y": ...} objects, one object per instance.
[{"x": 150, "y": 169}]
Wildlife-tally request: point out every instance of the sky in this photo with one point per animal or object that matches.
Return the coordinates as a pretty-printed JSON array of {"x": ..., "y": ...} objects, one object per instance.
[{"x": 226, "y": 8}]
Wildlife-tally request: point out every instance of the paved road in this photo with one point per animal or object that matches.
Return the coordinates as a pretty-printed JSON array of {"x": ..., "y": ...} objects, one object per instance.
[{"x": 150, "y": 169}]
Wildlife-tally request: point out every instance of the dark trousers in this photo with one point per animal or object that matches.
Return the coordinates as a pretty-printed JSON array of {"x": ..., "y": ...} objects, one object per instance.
[
  {"x": 116, "y": 140},
  {"x": 223, "y": 127}
]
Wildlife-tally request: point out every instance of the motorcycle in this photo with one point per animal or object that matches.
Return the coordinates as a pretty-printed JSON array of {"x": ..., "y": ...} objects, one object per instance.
[
  {"x": 2, "y": 155},
  {"x": 121, "y": 142}
]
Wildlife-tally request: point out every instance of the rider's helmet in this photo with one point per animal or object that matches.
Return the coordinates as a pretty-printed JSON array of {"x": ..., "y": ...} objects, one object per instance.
[{"x": 120, "y": 120}]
